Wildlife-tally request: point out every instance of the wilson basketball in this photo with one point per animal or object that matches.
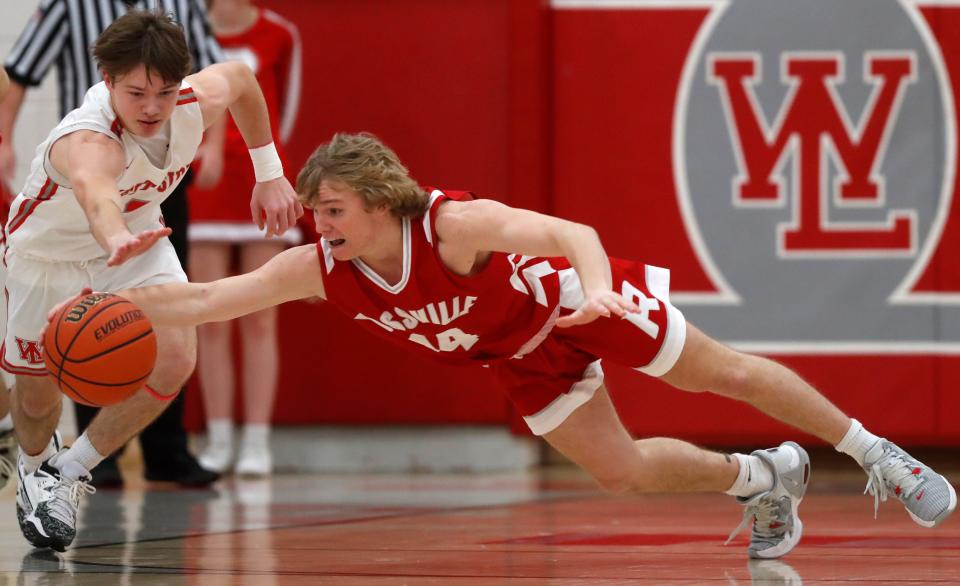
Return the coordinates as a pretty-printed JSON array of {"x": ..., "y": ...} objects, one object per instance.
[{"x": 100, "y": 349}]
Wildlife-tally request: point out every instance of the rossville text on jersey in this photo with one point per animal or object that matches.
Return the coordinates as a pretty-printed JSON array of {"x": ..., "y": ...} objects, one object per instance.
[{"x": 168, "y": 181}]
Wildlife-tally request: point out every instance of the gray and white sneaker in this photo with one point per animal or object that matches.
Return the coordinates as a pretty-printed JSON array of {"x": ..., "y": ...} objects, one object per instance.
[
  {"x": 776, "y": 526},
  {"x": 24, "y": 502},
  {"x": 47, "y": 502},
  {"x": 8, "y": 456},
  {"x": 928, "y": 497}
]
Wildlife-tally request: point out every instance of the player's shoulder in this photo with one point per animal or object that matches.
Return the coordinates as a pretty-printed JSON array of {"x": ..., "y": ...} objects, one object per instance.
[{"x": 272, "y": 20}]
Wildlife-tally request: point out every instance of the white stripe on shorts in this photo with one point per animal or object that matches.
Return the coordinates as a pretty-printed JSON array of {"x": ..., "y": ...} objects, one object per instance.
[{"x": 551, "y": 416}]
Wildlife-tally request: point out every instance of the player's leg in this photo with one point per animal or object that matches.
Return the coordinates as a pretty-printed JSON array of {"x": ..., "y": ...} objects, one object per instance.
[
  {"x": 771, "y": 483},
  {"x": 707, "y": 365},
  {"x": 210, "y": 261},
  {"x": 36, "y": 403},
  {"x": 32, "y": 288},
  {"x": 260, "y": 368},
  {"x": 594, "y": 438}
]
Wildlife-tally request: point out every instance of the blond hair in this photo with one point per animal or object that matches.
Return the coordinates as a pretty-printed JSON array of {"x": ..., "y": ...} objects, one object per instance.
[{"x": 368, "y": 167}]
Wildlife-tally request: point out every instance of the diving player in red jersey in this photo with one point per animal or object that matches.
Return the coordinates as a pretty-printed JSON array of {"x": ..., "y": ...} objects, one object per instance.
[{"x": 537, "y": 298}]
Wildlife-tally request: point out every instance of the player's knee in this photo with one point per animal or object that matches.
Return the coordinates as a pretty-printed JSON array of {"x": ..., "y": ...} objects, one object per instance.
[
  {"x": 38, "y": 401},
  {"x": 177, "y": 363},
  {"x": 734, "y": 379}
]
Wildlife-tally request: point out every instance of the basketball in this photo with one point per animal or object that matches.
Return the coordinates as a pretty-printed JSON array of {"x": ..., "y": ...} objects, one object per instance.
[{"x": 100, "y": 349}]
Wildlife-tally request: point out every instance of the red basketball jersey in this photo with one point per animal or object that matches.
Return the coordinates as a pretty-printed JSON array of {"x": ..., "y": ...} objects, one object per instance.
[{"x": 505, "y": 309}]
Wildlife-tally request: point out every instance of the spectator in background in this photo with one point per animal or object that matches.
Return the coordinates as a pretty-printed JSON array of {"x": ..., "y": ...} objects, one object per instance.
[
  {"x": 222, "y": 238},
  {"x": 60, "y": 34}
]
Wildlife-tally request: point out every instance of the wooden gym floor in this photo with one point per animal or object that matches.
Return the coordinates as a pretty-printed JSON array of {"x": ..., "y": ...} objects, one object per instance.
[{"x": 541, "y": 527}]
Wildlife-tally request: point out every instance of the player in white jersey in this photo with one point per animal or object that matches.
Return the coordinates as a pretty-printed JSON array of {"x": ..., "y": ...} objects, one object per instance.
[{"x": 90, "y": 216}]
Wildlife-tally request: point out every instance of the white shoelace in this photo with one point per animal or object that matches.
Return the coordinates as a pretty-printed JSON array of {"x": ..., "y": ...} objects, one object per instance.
[
  {"x": 764, "y": 513},
  {"x": 890, "y": 471},
  {"x": 66, "y": 499}
]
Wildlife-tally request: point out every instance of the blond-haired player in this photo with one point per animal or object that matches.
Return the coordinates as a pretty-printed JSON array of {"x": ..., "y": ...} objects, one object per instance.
[{"x": 537, "y": 298}]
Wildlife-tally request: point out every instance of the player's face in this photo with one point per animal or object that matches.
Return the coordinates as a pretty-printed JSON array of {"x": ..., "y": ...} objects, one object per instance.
[
  {"x": 143, "y": 103},
  {"x": 342, "y": 220}
]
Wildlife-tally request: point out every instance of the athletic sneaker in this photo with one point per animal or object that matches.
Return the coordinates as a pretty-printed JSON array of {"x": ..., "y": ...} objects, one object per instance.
[
  {"x": 8, "y": 456},
  {"x": 928, "y": 497},
  {"x": 776, "y": 526},
  {"x": 217, "y": 457},
  {"x": 48, "y": 499},
  {"x": 24, "y": 506},
  {"x": 254, "y": 461}
]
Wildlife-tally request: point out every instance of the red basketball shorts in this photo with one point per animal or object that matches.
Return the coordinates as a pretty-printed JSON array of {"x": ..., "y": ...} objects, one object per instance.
[{"x": 563, "y": 372}]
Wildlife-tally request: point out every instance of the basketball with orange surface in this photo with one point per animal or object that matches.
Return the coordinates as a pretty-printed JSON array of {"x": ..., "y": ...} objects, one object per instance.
[{"x": 99, "y": 348}]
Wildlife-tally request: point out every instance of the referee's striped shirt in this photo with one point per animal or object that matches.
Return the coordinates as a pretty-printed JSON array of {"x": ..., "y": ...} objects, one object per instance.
[{"x": 62, "y": 31}]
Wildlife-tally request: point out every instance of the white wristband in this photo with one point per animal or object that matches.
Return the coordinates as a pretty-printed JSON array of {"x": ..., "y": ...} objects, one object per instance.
[{"x": 266, "y": 163}]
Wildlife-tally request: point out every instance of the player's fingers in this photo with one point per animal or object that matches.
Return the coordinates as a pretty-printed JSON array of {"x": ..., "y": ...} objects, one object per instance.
[
  {"x": 256, "y": 212},
  {"x": 575, "y": 318},
  {"x": 283, "y": 221},
  {"x": 293, "y": 214}
]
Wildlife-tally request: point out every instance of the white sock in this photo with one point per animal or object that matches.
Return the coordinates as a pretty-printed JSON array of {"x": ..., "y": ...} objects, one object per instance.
[
  {"x": 754, "y": 477},
  {"x": 857, "y": 442},
  {"x": 31, "y": 463},
  {"x": 220, "y": 432},
  {"x": 256, "y": 435},
  {"x": 6, "y": 424},
  {"x": 82, "y": 452}
]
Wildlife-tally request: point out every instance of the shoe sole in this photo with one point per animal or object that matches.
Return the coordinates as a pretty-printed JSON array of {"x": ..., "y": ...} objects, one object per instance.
[{"x": 35, "y": 538}]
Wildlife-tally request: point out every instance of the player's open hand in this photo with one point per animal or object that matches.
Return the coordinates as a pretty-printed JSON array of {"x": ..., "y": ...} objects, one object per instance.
[
  {"x": 126, "y": 246},
  {"x": 274, "y": 205},
  {"x": 56, "y": 308},
  {"x": 596, "y": 304}
]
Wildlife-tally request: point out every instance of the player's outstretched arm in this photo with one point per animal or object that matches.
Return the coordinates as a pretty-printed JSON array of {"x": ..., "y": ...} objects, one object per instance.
[
  {"x": 292, "y": 274},
  {"x": 232, "y": 86},
  {"x": 487, "y": 225},
  {"x": 91, "y": 162}
]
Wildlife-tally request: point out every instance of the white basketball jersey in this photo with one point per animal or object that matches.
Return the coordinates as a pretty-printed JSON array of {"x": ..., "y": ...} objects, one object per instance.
[{"x": 46, "y": 219}]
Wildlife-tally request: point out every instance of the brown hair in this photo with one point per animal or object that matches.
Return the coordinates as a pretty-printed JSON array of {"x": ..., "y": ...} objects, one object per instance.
[
  {"x": 368, "y": 167},
  {"x": 143, "y": 37}
]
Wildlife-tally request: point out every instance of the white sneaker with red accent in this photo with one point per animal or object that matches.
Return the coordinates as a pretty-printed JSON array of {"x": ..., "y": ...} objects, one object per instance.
[
  {"x": 928, "y": 497},
  {"x": 776, "y": 526}
]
